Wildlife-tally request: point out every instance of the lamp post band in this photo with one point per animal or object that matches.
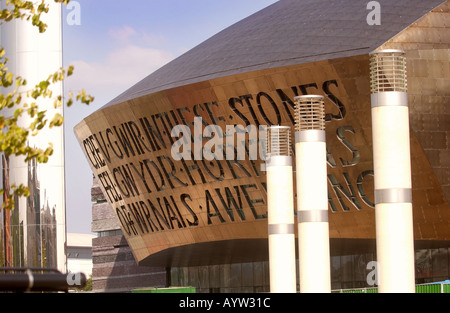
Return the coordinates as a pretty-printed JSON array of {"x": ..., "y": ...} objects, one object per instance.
[
  {"x": 278, "y": 160},
  {"x": 389, "y": 98},
  {"x": 281, "y": 229},
  {"x": 310, "y": 135},
  {"x": 393, "y": 195},
  {"x": 312, "y": 216}
]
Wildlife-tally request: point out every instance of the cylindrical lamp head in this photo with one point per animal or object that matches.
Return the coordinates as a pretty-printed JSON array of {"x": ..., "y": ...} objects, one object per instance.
[
  {"x": 309, "y": 112},
  {"x": 388, "y": 71},
  {"x": 279, "y": 141}
]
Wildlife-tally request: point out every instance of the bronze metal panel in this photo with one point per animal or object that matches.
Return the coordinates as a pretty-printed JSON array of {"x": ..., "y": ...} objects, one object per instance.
[
  {"x": 195, "y": 212},
  {"x": 175, "y": 212}
]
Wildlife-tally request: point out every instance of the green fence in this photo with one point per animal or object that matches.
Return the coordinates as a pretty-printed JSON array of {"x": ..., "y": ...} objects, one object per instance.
[
  {"x": 433, "y": 288},
  {"x": 426, "y": 288},
  {"x": 446, "y": 288}
]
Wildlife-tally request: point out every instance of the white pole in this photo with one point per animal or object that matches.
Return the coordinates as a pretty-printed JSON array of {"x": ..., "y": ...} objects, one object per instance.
[
  {"x": 312, "y": 197},
  {"x": 392, "y": 172},
  {"x": 280, "y": 198}
]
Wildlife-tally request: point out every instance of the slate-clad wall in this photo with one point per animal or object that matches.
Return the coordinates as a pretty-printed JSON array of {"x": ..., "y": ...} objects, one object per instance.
[{"x": 114, "y": 267}]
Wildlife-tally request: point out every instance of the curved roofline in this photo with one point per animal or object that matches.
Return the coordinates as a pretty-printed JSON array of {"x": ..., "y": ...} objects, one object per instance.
[{"x": 285, "y": 33}]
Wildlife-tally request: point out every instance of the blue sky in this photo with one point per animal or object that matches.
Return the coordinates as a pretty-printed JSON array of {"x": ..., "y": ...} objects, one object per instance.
[{"x": 116, "y": 45}]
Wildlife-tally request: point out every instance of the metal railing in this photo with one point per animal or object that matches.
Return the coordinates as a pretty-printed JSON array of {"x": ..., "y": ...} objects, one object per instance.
[{"x": 38, "y": 280}]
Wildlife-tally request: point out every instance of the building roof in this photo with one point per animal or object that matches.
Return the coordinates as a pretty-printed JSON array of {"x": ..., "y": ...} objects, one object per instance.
[
  {"x": 79, "y": 240},
  {"x": 285, "y": 33}
]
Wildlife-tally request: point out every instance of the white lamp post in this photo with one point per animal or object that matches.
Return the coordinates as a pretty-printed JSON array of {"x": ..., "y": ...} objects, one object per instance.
[
  {"x": 280, "y": 198},
  {"x": 392, "y": 172},
  {"x": 312, "y": 197}
]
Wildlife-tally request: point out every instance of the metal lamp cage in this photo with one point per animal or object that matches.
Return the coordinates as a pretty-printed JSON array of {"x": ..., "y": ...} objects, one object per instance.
[
  {"x": 279, "y": 141},
  {"x": 309, "y": 112},
  {"x": 388, "y": 71}
]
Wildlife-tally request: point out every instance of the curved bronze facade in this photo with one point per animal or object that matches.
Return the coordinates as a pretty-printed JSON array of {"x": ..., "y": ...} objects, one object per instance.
[{"x": 197, "y": 212}]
